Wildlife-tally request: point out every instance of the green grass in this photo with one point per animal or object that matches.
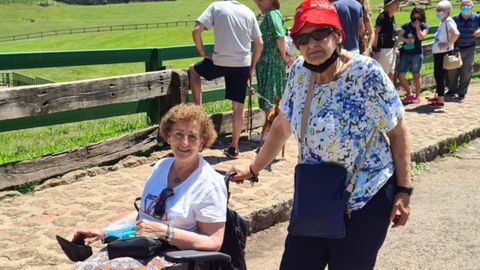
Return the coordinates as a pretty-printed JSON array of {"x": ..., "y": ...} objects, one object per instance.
[
  {"x": 14, "y": 20},
  {"x": 417, "y": 168}
]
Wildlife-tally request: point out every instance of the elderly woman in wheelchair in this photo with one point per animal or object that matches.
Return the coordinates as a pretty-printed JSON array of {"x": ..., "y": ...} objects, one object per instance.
[{"x": 184, "y": 200}]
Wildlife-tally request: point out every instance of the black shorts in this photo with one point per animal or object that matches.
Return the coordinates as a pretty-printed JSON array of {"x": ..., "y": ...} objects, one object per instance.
[{"x": 236, "y": 78}]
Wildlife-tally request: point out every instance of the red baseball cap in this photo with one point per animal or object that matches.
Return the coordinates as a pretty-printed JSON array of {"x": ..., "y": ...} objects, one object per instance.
[{"x": 320, "y": 12}]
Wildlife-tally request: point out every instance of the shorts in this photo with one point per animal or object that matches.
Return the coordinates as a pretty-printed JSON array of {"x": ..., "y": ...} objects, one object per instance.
[
  {"x": 236, "y": 78},
  {"x": 386, "y": 58},
  {"x": 412, "y": 62}
]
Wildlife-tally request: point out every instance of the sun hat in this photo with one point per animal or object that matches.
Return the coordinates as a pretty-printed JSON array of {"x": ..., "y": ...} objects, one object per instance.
[{"x": 319, "y": 12}]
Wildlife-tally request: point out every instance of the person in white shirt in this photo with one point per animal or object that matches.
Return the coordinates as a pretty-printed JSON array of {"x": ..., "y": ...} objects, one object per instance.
[
  {"x": 235, "y": 27},
  {"x": 446, "y": 35},
  {"x": 184, "y": 201}
]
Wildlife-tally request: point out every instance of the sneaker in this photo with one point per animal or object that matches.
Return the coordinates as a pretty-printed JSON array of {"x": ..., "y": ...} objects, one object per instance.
[
  {"x": 461, "y": 98},
  {"x": 450, "y": 94},
  {"x": 231, "y": 152},
  {"x": 416, "y": 100},
  {"x": 408, "y": 99},
  {"x": 256, "y": 137}
]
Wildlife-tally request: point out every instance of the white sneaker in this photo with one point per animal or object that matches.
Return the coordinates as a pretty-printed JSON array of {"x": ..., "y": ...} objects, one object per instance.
[{"x": 256, "y": 137}]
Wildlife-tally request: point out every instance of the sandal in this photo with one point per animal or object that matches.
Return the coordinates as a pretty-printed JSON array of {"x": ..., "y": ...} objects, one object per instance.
[
  {"x": 437, "y": 104},
  {"x": 432, "y": 99}
]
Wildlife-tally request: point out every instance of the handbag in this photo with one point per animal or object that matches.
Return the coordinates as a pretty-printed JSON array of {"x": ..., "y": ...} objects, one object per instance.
[
  {"x": 136, "y": 247},
  {"x": 320, "y": 196},
  {"x": 452, "y": 60}
]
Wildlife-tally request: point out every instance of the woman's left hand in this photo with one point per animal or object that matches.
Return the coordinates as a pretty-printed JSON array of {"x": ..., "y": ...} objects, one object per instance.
[
  {"x": 400, "y": 210},
  {"x": 151, "y": 228}
]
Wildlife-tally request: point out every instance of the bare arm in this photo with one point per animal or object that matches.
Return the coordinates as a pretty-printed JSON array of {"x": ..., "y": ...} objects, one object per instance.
[
  {"x": 400, "y": 146},
  {"x": 361, "y": 27},
  {"x": 208, "y": 237},
  {"x": 92, "y": 235},
  {"x": 401, "y": 36},
  {"x": 281, "y": 48},
  {"x": 197, "y": 39},
  {"x": 375, "y": 37},
  {"x": 421, "y": 34},
  {"x": 257, "y": 52},
  {"x": 279, "y": 133},
  {"x": 453, "y": 35}
]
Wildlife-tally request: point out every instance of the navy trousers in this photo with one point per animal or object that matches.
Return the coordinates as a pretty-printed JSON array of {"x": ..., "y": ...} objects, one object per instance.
[{"x": 366, "y": 231}]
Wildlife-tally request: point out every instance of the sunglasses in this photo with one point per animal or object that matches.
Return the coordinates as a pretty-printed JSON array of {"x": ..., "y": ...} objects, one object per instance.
[
  {"x": 317, "y": 35},
  {"x": 161, "y": 204},
  {"x": 417, "y": 18}
]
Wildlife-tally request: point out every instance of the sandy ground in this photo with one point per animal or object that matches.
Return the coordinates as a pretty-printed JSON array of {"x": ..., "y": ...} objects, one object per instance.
[
  {"x": 443, "y": 230},
  {"x": 29, "y": 223}
]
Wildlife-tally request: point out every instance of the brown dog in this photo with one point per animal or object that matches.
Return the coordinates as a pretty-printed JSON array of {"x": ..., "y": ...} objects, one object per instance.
[{"x": 269, "y": 117}]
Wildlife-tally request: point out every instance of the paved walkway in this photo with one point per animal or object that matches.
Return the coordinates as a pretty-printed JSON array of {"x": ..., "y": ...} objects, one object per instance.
[
  {"x": 28, "y": 224},
  {"x": 442, "y": 233}
]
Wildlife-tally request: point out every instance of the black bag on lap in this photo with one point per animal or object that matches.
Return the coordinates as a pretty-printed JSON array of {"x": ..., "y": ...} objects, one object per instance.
[{"x": 136, "y": 247}]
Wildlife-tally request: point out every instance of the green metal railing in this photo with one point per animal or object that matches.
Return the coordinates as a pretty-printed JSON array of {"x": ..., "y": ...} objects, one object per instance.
[
  {"x": 13, "y": 79},
  {"x": 152, "y": 57}
]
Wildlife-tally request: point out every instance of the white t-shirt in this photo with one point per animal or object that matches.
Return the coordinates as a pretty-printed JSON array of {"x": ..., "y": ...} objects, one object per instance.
[
  {"x": 234, "y": 26},
  {"x": 441, "y": 35},
  {"x": 201, "y": 197}
]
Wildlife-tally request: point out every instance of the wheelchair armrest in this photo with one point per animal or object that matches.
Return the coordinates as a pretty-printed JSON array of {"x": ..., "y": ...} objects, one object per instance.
[{"x": 195, "y": 256}]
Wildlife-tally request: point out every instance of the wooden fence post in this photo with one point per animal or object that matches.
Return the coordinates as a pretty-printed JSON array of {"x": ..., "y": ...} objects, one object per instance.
[{"x": 178, "y": 93}]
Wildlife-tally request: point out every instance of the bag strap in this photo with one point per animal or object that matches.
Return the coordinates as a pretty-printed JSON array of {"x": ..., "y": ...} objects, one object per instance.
[
  {"x": 305, "y": 115},
  {"x": 446, "y": 28}
]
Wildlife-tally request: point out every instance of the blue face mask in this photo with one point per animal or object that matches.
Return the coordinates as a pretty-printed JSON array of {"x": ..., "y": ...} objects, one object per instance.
[
  {"x": 467, "y": 10},
  {"x": 439, "y": 15}
]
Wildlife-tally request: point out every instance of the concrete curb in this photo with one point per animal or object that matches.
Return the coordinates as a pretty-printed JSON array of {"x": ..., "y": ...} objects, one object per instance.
[{"x": 267, "y": 217}]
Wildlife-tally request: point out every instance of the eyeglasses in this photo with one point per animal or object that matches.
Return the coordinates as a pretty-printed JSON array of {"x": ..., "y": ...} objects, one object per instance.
[
  {"x": 160, "y": 206},
  {"x": 317, "y": 35}
]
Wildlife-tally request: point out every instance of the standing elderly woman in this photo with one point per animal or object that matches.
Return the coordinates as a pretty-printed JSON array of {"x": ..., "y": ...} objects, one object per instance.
[
  {"x": 271, "y": 68},
  {"x": 446, "y": 35},
  {"x": 184, "y": 200},
  {"x": 352, "y": 98}
]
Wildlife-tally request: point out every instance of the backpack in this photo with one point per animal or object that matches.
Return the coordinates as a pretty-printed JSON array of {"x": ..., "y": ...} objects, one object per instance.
[{"x": 234, "y": 241}]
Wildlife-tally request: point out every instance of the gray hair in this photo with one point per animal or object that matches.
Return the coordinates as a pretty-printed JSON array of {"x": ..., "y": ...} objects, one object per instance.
[
  {"x": 469, "y": 1},
  {"x": 445, "y": 4}
]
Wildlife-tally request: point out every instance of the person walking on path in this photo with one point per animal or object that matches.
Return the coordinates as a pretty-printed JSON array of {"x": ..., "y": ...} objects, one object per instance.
[
  {"x": 384, "y": 40},
  {"x": 351, "y": 18},
  {"x": 351, "y": 99},
  {"x": 411, "y": 54},
  {"x": 271, "y": 70},
  {"x": 235, "y": 27},
  {"x": 468, "y": 25},
  {"x": 445, "y": 37}
]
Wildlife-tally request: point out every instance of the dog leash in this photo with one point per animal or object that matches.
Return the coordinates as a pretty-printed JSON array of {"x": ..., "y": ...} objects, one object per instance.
[{"x": 256, "y": 93}]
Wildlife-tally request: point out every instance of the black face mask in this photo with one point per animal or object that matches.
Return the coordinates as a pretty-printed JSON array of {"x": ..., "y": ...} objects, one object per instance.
[{"x": 323, "y": 66}]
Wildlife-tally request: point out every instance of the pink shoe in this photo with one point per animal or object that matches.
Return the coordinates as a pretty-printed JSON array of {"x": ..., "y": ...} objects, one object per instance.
[
  {"x": 408, "y": 99},
  {"x": 416, "y": 100}
]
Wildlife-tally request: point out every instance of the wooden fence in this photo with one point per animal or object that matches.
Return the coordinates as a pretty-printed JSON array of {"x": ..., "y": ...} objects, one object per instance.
[{"x": 152, "y": 91}]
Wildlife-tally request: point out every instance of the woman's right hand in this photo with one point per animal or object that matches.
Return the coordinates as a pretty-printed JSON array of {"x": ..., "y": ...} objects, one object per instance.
[
  {"x": 240, "y": 174},
  {"x": 88, "y": 236}
]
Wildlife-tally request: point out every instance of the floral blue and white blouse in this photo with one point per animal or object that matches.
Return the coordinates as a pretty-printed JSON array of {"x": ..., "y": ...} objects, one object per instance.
[{"x": 343, "y": 115}]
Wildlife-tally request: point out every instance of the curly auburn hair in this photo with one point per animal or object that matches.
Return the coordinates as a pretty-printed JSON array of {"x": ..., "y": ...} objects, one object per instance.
[{"x": 189, "y": 113}]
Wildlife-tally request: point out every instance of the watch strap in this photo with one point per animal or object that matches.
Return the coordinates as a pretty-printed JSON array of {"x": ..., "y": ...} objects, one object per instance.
[{"x": 406, "y": 190}]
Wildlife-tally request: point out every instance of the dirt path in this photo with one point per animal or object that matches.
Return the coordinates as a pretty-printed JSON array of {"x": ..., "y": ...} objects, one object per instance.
[{"x": 443, "y": 231}]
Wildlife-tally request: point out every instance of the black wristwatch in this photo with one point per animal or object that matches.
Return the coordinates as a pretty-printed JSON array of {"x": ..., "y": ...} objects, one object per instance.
[{"x": 406, "y": 190}]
